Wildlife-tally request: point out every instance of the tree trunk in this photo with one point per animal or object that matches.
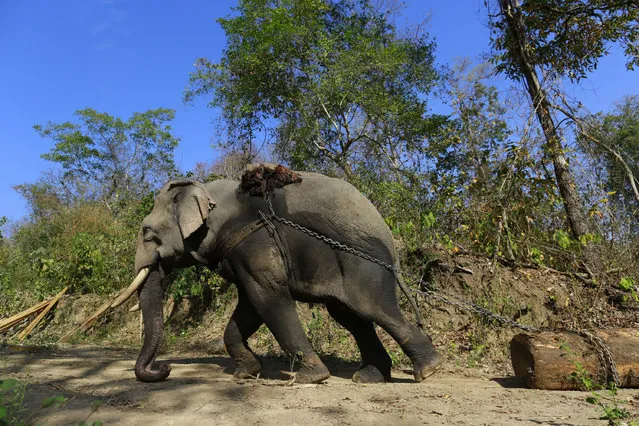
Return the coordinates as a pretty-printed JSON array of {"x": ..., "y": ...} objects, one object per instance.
[
  {"x": 577, "y": 221},
  {"x": 549, "y": 360}
]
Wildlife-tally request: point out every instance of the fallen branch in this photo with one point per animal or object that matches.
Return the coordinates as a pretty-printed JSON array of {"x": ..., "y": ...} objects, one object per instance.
[
  {"x": 450, "y": 268},
  {"x": 583, "y": 277},
  {"x": 42, "y": 314}
]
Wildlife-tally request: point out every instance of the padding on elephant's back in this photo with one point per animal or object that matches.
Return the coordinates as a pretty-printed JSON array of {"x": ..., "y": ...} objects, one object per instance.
[{"x": 262, "y": 179}]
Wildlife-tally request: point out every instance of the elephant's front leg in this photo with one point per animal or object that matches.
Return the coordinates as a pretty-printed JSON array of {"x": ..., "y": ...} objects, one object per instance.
[
  {"x": 243, "y": 323},
  {"x": 279, "y": 314}
]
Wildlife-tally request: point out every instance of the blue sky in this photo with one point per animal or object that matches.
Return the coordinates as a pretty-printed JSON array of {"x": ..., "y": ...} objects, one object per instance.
[{"x": 124, "y": 56}]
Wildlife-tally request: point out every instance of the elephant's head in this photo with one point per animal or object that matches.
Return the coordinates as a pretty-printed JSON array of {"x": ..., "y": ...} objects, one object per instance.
[
  {"x": 178, "y": 216},
  {"x": 180, "y": 209}
]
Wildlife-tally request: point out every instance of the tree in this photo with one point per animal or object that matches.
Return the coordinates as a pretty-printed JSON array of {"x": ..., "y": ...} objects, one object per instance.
[
  {"x": 568, "y": 37},
  {"x": 612, "y": 139},
  {"x": 105, "y": 158},
  {"x": 563, "y": 38},
  {"x": 3, "y": 222},
  {"x": 331, "y": 83}
]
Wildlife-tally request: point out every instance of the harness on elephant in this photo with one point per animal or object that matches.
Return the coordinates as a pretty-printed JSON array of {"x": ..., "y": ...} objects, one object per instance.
[{"x": 226, "y": 246}]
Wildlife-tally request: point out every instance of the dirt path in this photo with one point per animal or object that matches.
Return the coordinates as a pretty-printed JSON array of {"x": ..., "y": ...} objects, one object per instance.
[{"x": 202, "y": 390}]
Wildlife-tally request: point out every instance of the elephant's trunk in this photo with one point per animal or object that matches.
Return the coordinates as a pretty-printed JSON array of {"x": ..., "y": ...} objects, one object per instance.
[{"x": 151, "y": 305}]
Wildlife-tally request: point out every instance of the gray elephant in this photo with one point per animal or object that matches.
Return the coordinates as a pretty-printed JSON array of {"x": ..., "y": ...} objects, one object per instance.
[{"x": 273, "y": 265}]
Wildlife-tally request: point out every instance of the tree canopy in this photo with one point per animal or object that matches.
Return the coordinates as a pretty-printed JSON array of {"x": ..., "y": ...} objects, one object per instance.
[
  {"x": 331, "y": 83},
  {"x": 106, "y": 158},
  {"x": 568, "y": 37}
]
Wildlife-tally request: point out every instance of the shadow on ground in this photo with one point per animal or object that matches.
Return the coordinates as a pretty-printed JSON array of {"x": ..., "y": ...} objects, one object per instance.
[{"x": 84, "y": 374}]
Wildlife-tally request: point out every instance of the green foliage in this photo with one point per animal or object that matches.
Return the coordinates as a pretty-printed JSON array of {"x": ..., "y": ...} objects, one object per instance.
[
  {"x": 84, "y": 247},
  {"x": 54, "y": 401},
  {"x": 334, "y": 84},
  {"x": 13, "y": 410},
  {"x": 12, "y": 394},
  {"x": 193, "y": 281},
  {"x": 629, "y": 285},
  {"x": 612, "y": 141},
  {"x": 562, "y": 238},
  {"x": 104, "y": 158},
  {"x": 607, "y": 403},
  {"x": 84, "y": 218},
  {"x": 3, "y": 222}
]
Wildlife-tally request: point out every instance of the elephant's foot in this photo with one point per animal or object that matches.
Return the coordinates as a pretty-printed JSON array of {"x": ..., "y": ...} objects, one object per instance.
[
  {"x": 247, "y": 369},
  {"x": 426, "y": 369},
  {"x": 312, "y": 370},
  {"x": 371, "y": 374}
]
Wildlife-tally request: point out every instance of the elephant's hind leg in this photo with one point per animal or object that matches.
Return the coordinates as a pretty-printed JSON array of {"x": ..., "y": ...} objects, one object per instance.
[
  {"x": 376, "y": 364},
  {"x": 243, "y": 323},
  {"x": 415, "y": 344},
  {"x": 372, "y": 295}
]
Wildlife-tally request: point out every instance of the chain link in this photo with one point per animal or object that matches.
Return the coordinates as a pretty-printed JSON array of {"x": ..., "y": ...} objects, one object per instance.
[
  {"x": 602, "y": 349},
  {"x": 479, "y": 310},
  {"x": 604, "y": 355}
]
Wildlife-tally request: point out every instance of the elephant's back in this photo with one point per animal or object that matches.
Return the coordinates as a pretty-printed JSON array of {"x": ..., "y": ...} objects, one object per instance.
[
  {"x": 335, "y": 208},
  {"x": 329, "y": 206}
]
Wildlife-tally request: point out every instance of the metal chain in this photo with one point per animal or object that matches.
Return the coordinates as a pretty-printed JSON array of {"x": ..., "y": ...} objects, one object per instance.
[
  {"x": 479, "y": 310},
  {"x": 329, "y": 241},
  {"x": 604, "y": 355},
  {"x": 602, "y": 349}
]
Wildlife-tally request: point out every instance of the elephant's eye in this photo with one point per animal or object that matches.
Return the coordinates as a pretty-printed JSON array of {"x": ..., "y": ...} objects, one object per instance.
[{"x": 148, "y": 233}]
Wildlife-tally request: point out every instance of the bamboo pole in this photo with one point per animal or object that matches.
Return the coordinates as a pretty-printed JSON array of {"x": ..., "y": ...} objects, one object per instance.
[
  {"x": 168, "y": 308},
  {"x": 93, "y": 318},
  {"x": 35, "y": 322},
  {"x": 88, "y": 323},
  {"x": 7, "y": 323}
]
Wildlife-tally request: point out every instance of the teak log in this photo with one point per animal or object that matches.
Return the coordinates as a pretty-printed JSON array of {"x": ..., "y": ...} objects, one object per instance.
[{"x": 547, "y": 360}]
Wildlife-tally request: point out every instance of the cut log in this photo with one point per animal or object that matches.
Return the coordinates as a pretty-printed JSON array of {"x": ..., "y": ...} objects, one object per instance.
[
  {"x": 548, "y": 360},
  {"x": 7, "y": 323},
  {"x": 35, "y": 322}
]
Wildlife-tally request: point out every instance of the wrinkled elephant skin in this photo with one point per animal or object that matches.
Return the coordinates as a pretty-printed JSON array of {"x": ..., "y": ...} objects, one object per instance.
[{"x": 189, "y": 223}]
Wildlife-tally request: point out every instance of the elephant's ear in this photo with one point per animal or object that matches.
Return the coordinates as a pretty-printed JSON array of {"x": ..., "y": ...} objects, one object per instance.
[{"x": 193, "y": 205}]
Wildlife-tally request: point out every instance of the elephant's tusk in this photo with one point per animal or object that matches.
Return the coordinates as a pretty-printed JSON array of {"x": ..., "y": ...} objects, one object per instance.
[
  {"x": 135, "y": 307},
  {"x": 137, "y": 282}
]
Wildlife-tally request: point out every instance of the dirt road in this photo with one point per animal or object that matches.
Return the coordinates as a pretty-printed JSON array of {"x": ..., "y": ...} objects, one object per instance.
[{"x": 201, "y": 390}]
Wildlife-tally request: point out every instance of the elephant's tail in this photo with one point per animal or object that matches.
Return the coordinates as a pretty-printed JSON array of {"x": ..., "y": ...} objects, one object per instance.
[{"x": 406, "y": 291}]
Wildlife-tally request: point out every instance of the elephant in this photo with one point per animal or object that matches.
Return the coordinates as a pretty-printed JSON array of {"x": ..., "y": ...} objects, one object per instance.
[{"x": 275, "y": 263}]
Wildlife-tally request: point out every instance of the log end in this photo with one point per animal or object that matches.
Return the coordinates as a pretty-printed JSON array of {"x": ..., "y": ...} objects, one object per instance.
[{"x": 522, "y": 359}]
